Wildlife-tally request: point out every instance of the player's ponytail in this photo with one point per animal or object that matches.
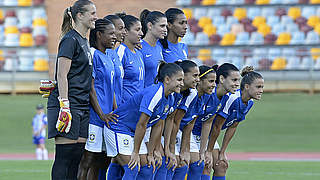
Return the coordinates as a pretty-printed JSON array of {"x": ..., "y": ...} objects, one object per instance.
[
  {"x": 166, "y": 69},
  {"x": 224, "y": 70},
  {"x": 248, "y": 76}
]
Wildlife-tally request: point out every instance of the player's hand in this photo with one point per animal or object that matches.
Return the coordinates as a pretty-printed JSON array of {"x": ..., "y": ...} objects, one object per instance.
[
  {"x": 46, "y": 86},
  {"x": 208, "y": 159},
  {"x": 138, "y": 46},
  {"x": 201, "y": 158},
  {"x": 171, "y": 160},
  {"x": 158, "y": 158},
  {"x": 64, "y": 119},
  {"x": 222, "y": 159},
  {"x": 134, "y": 161},
  {"x": 184, "y": 158},
  {"x": 110, "y": 117},
  {"x": 151, "y": 162}
]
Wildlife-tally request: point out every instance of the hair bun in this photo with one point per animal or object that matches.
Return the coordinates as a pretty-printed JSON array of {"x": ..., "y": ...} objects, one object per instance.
[{"x": 246, "y": 70}]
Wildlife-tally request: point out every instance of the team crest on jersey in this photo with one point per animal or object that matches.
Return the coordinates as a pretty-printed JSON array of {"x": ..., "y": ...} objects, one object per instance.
[
  {"x": 219, "y": 106},
  {"x": 166, "y": 109},
  {"x": 179, "y": 102},
  {"x": 126, "y": 142},
  {"x": 92, "y": 137}
]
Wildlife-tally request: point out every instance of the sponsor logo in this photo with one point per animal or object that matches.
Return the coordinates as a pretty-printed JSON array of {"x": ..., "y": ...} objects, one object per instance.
[
  {"x": 148, "y": 55},
  {"x": 167, "y": 51},
  {"x": 166, "y": 109},
  {"x": 126, "y": 142},
  {"x": 131, "y": 62}
]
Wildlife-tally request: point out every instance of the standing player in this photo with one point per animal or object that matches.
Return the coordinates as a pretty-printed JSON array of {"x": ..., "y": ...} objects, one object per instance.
[
  {"x": 68, "y": 104},
  {"x": 154, "y": 27},
  {"x": 131, "y": 59},
  {"x": 236, "y": 107},
  {"x": 101, "y": 99},
  {"x": 142, "y": 110},
  {"x": 172, "y": 49},
  {"x": 39, "y": 125}
]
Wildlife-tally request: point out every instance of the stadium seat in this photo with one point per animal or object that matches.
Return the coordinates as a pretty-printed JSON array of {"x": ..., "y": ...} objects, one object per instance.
[
  {"x": 38, "y": 2},
  {"x": 201, "y": 39},
  {"x": 288, "y": 52},
  {"x": 209, "y": 29},
  {"x": 261, "y": 2},
  {"x": 26, "y": 40},
  {"x": 237, "y": 61},
  {"x": 10, "y": 21},
  {"x": 276, "y": 1},
  {"x": 10, "y": 2},
  {"x": 278, "y": 28},
  {"x": 274, "y": 53},
  {"x": 318, "y": 12},
  {"x": 306, "y": 63},
  {"x": 236, "y": 2},
  {"x": 281, "y": 12},
  {"x": 242, "y": 38},
  {"x": 11, "y": 30},
  {"x": 39, "y": 30},
  {"x": 218, "y": 20},
  {"x": 264, "y": 29},
  {"x": 268, "y": 11},
  {"x": 195, "y": 28},
  {"x": 293, "y": 63},
  {"x": 41, "y": 59},
  {"x": 237, "y": 28},
  {"x": 240, "y": 13},
  {"x": 246, "y": 21},
  {"x": 317, "y": 64},
  {"x": 1, "y": 16},
  {"x": 39, "y": 22},
  {"x": 183, "y": 2},
  {"x": 314, "y": 2},
  {"x": 221, "y": 2},
  {"x": 283, "y": 38},
  {"x": 312, "y": 38},
  {"x": 256, "y": 39},
  {"x": 215, "y": 39},
  {"x": 226, "y": 12},
  {"x": 317, "y": 29},
  {"x": 224, "y": 60},
  {"x": 204, "y": 54},
  {"x": 199, "y": 12},
  {"x": 278, "y": 64},
  {"x": 286, "y": 20},
  {"x": 294, "y": 12},
  {"x": 290, "y": 1},
  {"x": 11, "y": 61},
  {"x": 264, "y": 64},
  {"x": 231, "y": 20},
  {"x": 308, "y": 11},
  {"x": 292, "y": 27},
  {"x": 208, "y": 2},
  {"x": 203, "y": 21},
  {"x": 249, "y": 1},
  {"x": 24, "y": 2},
  {"x": 249, "y": 28},
  {"x": 196, "y": 2},
  {"x": 315, "y": 53},
  {"x": 233, "y": 52},
  {"x": 260, "y": 52},
  {"x": 223, "y": 29},
  {"x": 273, "y": 20},
  {"x": 301, "y": 21},
  {"x": 26, "y": 60},
  {"x": 257, "y": 21},
  {"x": 252, "y": 61},
  {"x": 270, "y": 39},
  {"x": 228, "y": 39},
  {"x": 313, "y": 21},
  {"x": 253, "y": 12},
  {"x": 39, "y": 13},
  {"x": 213, "y": 12},
  {"x": 218, "y": 53},
  {"x": 187, "y": 12}
]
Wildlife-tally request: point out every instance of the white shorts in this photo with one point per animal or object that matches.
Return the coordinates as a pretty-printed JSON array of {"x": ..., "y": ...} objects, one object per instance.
[
  {"x": 95, "y": 142},
  {"x": 193, "y": 145},
  {"x": 118, "y": 143},
  {"x": 198, "y": 142}
]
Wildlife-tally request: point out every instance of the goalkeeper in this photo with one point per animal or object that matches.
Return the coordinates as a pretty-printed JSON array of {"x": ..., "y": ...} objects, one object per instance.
[{"x": 68, "y": 102}]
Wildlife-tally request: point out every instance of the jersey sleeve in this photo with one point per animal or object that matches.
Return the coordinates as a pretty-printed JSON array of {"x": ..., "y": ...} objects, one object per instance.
[
  {"x": 45, "y": 120},
  {"x": 150, "y": 100},
  {"x": 189, "y": 100},
  {"x": 94, "y": 61},
  {"x": 67, "y": 47},
  {"x": 228, "y": 105}
]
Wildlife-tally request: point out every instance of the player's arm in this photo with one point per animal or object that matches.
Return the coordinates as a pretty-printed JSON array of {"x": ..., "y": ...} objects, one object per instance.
[
  {"x": 215, "y": 132},
  {"x": 115, "y": 106},
  {"x": 138, "y": 137},
  {"x": 64, "y": 65},
  {"x": 176, "y": 123},
  {"x": 185, "y": 142},
  {"x": 205, "y": 131},
  {"x": 155, "y": 142},
  {"x": 170, "y": 154}
]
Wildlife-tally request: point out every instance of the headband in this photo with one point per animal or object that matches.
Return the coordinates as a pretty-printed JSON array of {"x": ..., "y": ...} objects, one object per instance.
[{"x": 205, "y": 73}]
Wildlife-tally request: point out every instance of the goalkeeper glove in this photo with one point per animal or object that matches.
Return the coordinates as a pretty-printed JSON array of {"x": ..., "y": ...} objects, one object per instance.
[
  {"x": 46, "y": 86},
  {"x": 64, "y": 119}
]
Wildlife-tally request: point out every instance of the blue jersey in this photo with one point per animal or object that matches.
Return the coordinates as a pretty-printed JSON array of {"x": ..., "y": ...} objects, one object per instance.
[
  {"x": 118, "y": 74},
  {"x": 39, "y": 120},
  {"x": 212, "y": 106},
  {"x": 150, "y": 101},
  {"x": 174, "y": 52},
  {"x": 103, "y": 75},
  {"x": 151, "y": 58},
  {"x": 133, "y": 66},
  {"x": 234, "y": 110}
]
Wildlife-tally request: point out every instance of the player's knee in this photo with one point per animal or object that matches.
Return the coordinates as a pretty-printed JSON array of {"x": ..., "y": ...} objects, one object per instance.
[
  {"x": 206, "y": 170},
  {"x": 87, "y": 161},
  {"x": 220, "y": 169}
]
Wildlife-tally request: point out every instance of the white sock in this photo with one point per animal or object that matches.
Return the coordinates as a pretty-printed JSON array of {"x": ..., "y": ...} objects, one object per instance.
[
  {"x": 45, "y": 154},
  {"x": 39, "y": 154}
]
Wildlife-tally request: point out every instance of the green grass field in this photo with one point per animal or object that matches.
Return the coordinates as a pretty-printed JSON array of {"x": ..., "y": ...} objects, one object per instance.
[{"x": 239, "y": 170}]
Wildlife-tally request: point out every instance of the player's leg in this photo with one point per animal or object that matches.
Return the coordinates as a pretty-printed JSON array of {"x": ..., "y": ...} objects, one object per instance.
[
  {"x": 182, "y": 169},
  {"x": 115, "y": 170},
  {"x": 195, "y": 168},
  {"x": 220, "y": 169}
]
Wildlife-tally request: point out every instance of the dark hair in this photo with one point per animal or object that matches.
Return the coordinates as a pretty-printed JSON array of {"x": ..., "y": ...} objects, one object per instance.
[
  {"x": 166, "y": 69},
  {"x": 112, "y": 17},
  {"x": 100, "y": 26},
  {"x": 146, "y": 16},
  {"x": 71, "y": 13},
  {"x": 128, "y": 20},
  {"x": 248, "y": 76},
  {"x": 204, "y": 71},
  {"x": 171, "y": 15},
  {"x": 224, "y": 70},
  {"x": 186, "y": 66}
]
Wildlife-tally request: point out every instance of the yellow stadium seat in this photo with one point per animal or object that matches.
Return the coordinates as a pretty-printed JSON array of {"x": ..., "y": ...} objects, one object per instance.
[
  {"x": 1, "y": 56},
  {"x": 24, "y": 2},
  {"x": 203, "y": 21},
  {"x": 26, "y": 39},
  {"x": 41, "y": 65},
  {"x": 313, "y": 21},
  {"x": 208, "y": 2},
  {"x": 240, "y": 13},
  {"x": 209, "y": 29},
  {"x": 187, "y": 12},
  {"x": 1, "y": 14},
  {"x": 39, "y": 22},
  {"x": 315, "y": 53},
  {"x": 314, "y": 2},
  {"x": 204, "y": 54},
  {"x": 228, "y": 39},
  {"x": 317, "y": 29},
  {"x": 283, "y": 38},
  {"x": 262, "y": 2},
  {"x": 294, "y": 12},
  {"x": 11, "y": 30},
  {"x": 258, "y": 20},
  {"x": 278, "y": 64},
  {"x": 264, "y": 29}
]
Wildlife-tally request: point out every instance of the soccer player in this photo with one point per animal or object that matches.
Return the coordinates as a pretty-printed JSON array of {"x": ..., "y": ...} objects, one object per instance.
[
  {"x": 101, "y": 99},
  {"x": 154, "y": 27},
  {"x": 172, "y": 49},
  {"x": 124, "y": 140},
  {"x": 68, "y": 103},
  {"x": 131, "y": 59},
  {"x": 236, "y": 107},
  {"x": 39, "y": 125}
]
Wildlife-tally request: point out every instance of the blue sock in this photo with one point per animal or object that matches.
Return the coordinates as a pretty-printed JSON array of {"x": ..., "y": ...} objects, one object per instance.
[
  {"x": 115, "y": 172},
  {"x": 205, "y": 177},
  {"x": 161, "y": 173},
  {"x": 170, "y": 174},
  {"x": 180, "y": 173},
  {"x": 219, "y": 178},
  {"x": 195, "y": 171},
  {"x": 145, "y": 173},
  {"x": 130, "y": 174},
  {"x": 102, "y": 174}
]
